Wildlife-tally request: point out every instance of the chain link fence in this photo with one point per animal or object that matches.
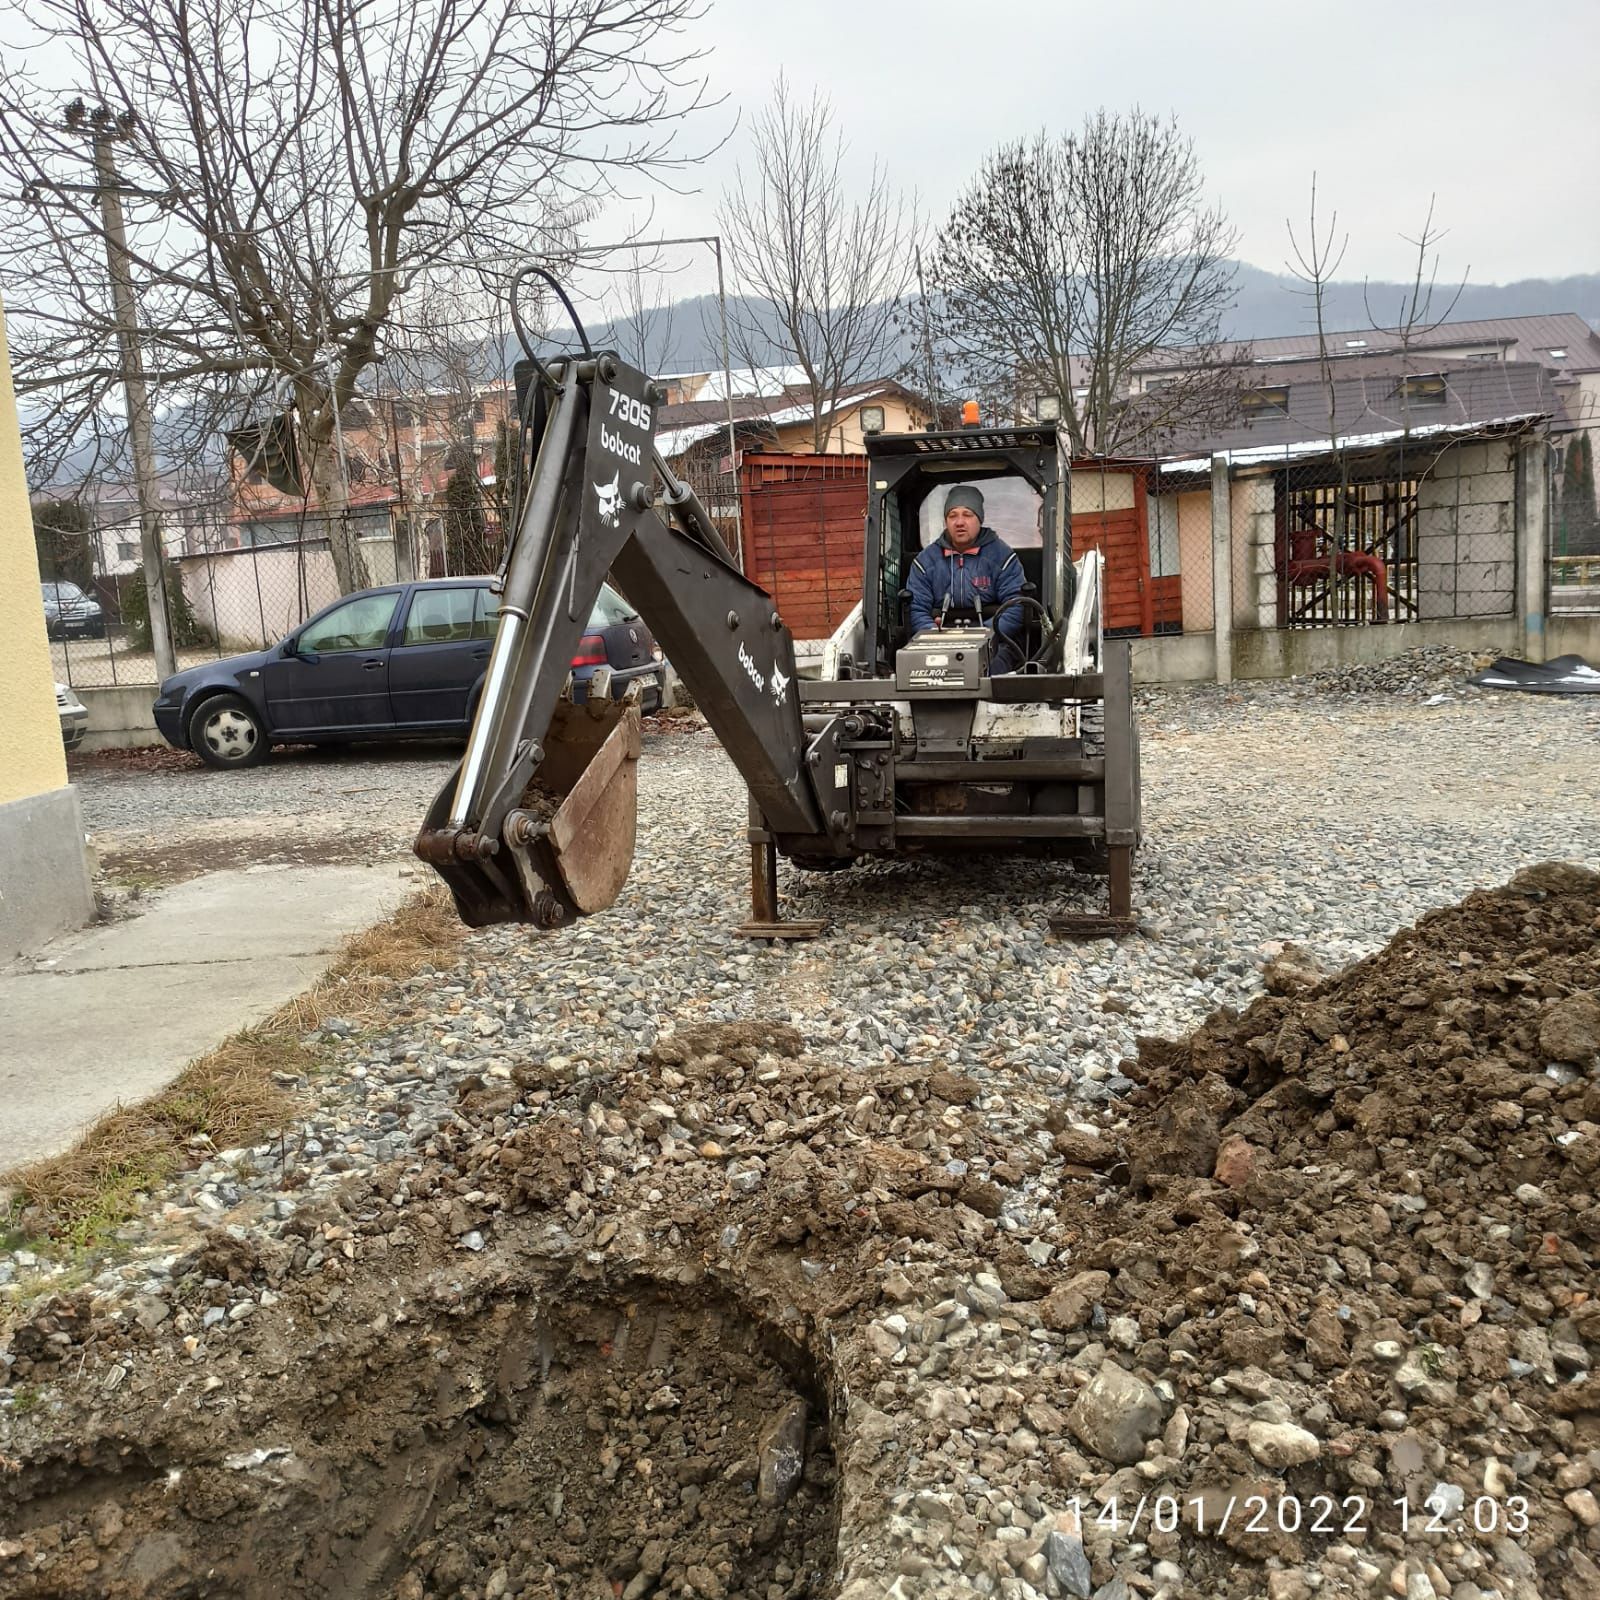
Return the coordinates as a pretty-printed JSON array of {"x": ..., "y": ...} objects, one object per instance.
[
  {"x": 240, "y": 586},
  {"x": 1410, "y": 530},
  {"x": 1373, "y": 532}
]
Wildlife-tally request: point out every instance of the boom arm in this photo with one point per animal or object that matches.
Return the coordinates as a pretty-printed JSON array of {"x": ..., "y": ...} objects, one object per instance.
[{"x": 537, "y": 822}]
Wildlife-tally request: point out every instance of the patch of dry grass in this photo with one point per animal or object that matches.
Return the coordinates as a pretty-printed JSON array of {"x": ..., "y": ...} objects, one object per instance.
[
  {"x": 230, "y": 1095},
  {"x": 423, "y": 932}
]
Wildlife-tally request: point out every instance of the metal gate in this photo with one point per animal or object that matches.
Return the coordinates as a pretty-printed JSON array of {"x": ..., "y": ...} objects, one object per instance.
[{"x": 1346, "y": 552}]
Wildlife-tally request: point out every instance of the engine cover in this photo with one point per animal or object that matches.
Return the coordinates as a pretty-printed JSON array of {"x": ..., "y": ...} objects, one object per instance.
[{"x": 943, "y": 658}]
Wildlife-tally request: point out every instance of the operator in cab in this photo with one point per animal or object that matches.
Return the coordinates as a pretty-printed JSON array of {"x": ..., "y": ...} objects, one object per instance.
[{"x": 971, "y": 569}]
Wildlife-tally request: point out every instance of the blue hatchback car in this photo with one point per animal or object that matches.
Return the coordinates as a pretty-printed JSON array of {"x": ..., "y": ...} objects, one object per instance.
[{"x": 403, "y": 661}]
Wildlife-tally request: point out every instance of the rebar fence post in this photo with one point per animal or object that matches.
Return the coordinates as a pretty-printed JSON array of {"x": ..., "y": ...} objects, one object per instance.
[{"x": 1532, "y": 540}]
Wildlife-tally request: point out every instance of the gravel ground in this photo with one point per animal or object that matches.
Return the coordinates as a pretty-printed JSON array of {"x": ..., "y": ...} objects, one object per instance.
[
  {"x": 1318, "y": 816},
  {"x": 1270, "y": 817},
  {"x": 382, "y": 783},
  {"x": 169, "y": 817},
  {"x": 1266, "y": 820}
]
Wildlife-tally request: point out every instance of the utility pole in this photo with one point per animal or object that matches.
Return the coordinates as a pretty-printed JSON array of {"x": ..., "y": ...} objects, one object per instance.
[{"x": 103, "y": 130}]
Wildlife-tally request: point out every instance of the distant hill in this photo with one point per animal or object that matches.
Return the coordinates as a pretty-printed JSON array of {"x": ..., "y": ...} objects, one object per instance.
[
  {"x": 1272, "y": 303},
  {"x": 685, "y": 337}
]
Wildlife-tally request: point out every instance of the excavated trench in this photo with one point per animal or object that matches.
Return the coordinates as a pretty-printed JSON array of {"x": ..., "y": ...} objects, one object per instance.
[{"x": 630, "y": 1446}]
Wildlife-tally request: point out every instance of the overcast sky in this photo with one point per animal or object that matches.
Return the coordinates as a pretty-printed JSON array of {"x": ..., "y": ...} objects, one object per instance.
[{"x": 1493, "y": 106}]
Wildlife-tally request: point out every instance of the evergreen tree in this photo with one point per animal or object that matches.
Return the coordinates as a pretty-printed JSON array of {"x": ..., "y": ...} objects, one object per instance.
[
  {"x": 1580, "y": 517},
  {"x": 1566, "y": 498},
  {"x": 466, "y": 529},
  {"x": 182, "y": 623},
  {"x": 507, "y": 475}
]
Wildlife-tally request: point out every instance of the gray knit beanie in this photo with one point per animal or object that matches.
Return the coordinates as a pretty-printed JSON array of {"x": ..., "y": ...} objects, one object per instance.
[{"x": 964, "y": 494}]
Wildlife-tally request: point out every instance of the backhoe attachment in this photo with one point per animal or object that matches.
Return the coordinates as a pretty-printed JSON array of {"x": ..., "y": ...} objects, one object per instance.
[{"x": 537, "y": 824}]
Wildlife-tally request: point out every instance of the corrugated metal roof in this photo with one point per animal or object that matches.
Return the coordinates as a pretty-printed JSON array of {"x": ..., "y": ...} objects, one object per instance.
[
  {"x": 1302, "y": 449},
  {"x": 1475, "y": 394},
  {"x": 1533, "y": 338}
]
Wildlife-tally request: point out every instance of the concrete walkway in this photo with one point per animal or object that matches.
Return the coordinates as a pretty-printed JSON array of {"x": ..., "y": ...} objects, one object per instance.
[{"x": 114, "y": 1013}]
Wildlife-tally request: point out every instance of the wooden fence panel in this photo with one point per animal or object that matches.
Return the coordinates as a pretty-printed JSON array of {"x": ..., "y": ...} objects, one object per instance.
[{"x": 804, "y": 535}]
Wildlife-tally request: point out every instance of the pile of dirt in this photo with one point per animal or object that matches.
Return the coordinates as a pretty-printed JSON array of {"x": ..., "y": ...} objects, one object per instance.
[{"x": 1375, "y": 1201}]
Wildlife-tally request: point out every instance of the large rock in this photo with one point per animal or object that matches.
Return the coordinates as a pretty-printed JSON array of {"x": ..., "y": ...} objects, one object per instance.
[
  {"x": 1422, "y": 1377},
  {"x": 1116, "y": 1415},
  {"x": 1084, "y": 1147},
  {"x": 1293, "y": 971},
  {"x": 782, "y": 1454},
  {"x": 1068, "y": 1562},
  {"x": 1069, "y": 1305},
  {"x": 1569, "y": 1030},
  {"x": 1282, "y": 1444},
  {"x": 1236, "y": 1161}
]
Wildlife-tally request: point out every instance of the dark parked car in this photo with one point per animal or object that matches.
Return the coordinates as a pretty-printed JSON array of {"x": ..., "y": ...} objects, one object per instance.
[
  {"x": 70, "y": 613},
  {"x": 402, "y": 661}
]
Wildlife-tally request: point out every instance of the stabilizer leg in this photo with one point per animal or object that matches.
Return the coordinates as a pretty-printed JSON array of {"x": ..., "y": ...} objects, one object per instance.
[
  {"x": 1118, "y": 916},
  {"x": 765, "y": 922},
  {"x": 1119, "y": 801}
]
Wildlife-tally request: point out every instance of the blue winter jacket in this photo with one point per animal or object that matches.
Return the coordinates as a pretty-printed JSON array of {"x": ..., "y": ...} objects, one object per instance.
[{"x": 985, "y": 575}]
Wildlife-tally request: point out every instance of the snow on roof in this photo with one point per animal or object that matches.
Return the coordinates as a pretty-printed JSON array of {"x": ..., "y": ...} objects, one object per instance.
[
  {"x": 674, "y": 441},
  {"x": 1262, "y": 455},
  {"x": 745, "y": 381}
]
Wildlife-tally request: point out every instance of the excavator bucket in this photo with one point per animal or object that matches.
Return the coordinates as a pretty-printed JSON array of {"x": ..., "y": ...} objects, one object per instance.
[
  {"x": 564, "y": 850},
  {"x": 588, "y": 784}
]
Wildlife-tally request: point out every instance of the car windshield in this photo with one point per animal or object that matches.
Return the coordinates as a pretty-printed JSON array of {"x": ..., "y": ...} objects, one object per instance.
[
  {"x": 61, "y": 591},
  {"x": 610, "y": 609}
]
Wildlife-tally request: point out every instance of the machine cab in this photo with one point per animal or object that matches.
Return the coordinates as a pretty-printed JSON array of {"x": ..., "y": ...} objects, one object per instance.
[{"x": 1022, "y": 475}]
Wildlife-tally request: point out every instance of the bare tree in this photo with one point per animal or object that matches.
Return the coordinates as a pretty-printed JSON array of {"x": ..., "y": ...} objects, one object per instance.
[
  {"x": 1416, "y": 316},
  {"x": 642, "y": 320},
  {"x": 295, "y": 170},
  {"x": 833, "y": 271},
  {"x": 1315, "y": 263},
  {"x": 1070, "y": 261}
]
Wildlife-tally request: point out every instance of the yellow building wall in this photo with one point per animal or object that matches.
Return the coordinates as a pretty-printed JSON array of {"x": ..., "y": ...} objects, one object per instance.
[
  {"x": 846, "y": 437},
  {"x": 32, "y": 760},
  {"x": 898, "y": 417}
]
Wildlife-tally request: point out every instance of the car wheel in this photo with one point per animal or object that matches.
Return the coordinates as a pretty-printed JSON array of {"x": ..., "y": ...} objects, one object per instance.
[{"x": 226, "y": 732}]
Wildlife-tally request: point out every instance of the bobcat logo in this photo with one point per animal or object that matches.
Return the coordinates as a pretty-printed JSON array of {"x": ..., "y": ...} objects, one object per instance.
[
  {"x": 779, "y": 685},
  {"x": 609, "y": 498}
]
